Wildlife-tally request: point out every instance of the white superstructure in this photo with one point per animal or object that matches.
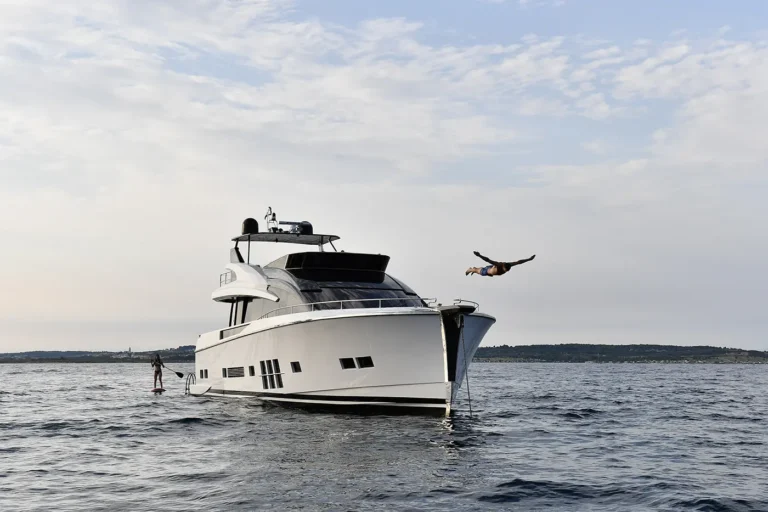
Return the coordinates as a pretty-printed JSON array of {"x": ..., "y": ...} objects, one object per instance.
[{"x": 332, "y": 330}]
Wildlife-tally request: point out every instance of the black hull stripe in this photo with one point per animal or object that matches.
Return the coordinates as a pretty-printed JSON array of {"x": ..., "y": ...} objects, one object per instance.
[
  {"x": 363, "y": 410},
  {"x": 331, "y": 398}
]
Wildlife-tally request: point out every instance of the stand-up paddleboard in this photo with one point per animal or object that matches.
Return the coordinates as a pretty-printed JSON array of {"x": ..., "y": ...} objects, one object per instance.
[{"x": 158, "y": 390}]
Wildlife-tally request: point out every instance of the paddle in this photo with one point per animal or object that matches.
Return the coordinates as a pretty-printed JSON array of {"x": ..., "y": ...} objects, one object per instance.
[{"x": 178, "y": 374}]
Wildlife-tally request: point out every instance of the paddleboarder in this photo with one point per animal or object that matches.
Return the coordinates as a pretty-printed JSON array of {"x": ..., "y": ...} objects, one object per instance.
[
  {"x": 496, "y": 268},
  {"x": 158, "y": 365}
]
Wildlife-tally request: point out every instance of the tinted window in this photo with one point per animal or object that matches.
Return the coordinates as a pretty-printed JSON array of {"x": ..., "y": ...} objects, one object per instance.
[
  {"x": 365, "y": 362},
  {"x": 362, "y": 298}
]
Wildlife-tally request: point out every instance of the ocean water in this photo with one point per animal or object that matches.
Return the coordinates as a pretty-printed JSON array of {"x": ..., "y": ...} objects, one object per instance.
[{"x": 541, "y": 436}]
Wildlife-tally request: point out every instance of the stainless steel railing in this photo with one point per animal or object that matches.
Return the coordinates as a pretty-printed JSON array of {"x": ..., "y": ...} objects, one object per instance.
[
  {"x": 312, "y": 306},
  {"x": 226, "y": 278}
]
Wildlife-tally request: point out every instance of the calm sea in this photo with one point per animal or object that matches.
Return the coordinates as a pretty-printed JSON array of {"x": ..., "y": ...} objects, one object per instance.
[{"x": 541, "y": 436}]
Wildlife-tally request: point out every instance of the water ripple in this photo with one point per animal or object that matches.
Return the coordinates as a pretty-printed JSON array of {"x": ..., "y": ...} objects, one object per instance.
[{"x": 559, "y": 436}]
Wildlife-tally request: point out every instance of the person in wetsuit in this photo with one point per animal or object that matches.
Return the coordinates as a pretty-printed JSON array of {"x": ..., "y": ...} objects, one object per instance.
[
  {"x": 496, "y": 268},
  {"x": 158, "y": 365}
]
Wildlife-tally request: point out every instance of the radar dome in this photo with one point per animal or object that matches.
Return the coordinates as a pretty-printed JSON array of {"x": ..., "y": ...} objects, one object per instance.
[
  {"x": 305, "y": 228},
  {"x": 250, "y": 226}
]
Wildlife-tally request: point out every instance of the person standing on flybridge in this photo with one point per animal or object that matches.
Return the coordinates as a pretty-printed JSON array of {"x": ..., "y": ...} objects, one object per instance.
[{"x": 158, "y": 365}]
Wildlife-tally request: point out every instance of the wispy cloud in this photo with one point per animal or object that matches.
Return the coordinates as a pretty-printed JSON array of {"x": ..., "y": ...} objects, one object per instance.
[
  {"x": 135, "y": 135},
  {"x": 596, "y": 146}
]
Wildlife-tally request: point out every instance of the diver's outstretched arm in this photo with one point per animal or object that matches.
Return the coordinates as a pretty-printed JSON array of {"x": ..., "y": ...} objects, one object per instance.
[
  {"x": 486, "y": 259},
  {"x": 520, "y": 262}
]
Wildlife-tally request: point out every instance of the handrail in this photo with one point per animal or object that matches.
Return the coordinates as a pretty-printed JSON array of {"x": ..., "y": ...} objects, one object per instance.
[
  {"x": 191, "y": 381},
  {"x": 459, "y": 301},
  {"x": 312, "y": 305},
  {"x": 225, "y": 278}
]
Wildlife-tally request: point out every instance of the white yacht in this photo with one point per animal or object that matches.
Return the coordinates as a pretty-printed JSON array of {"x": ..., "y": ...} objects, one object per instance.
[{"x": 332, "y": 330}]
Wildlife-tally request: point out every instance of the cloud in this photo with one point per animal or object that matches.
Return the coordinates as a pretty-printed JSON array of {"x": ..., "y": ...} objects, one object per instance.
[
  {"x": 136, "y": 137},
  {"x": 355, "y": 92},
  {"x": 538, "y": 3},
  {"x": 596, "y": 146},
  {"x": 603, "y": 53}
]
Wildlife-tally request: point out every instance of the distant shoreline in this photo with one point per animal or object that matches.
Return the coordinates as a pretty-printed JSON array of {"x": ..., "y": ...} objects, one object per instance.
[
  {"x": 650, "y": 361},
  {"x": 86, "y": 361},
  {"x": 626, "y": 354},
  {"x": 183, "y": 354},
  {"x": 474, "y": 360},
  {"x": 562, "y": 353}
]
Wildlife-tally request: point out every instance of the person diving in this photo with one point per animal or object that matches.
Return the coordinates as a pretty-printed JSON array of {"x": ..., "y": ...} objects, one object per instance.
[{"x": 496, "y": 268}]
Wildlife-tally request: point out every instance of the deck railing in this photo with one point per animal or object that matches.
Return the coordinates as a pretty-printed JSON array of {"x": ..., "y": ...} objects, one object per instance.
[
  {"x": 225, "y": 278},
  {"x": 312, "y": 306}
]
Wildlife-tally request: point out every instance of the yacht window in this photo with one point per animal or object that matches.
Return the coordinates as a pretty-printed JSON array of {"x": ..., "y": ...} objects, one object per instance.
[
  {"x": 235, "y": 372},
  {"x": 271, "y": 377},
  {"x": 224, "y": 372},
  {"x": 206, "y": 374},
  {"x": 347, "y": 363},
  {"x": 329, "y": 297},
  {"x": 296, "y": 367},
  {"x": 201, "y": 374},
  {"x": 251, "y": 371},
  {"x": 365, "y": 362}
]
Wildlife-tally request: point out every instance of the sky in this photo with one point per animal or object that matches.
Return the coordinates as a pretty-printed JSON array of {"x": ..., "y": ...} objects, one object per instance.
[{"x": 622, "y": 143}]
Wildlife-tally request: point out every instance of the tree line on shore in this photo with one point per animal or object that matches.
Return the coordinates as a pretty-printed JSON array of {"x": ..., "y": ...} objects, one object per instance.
[
  {"x": 562, "y": 353},
  {"x": 182, "y": 354},
  {"x": 583, "y": 353}
]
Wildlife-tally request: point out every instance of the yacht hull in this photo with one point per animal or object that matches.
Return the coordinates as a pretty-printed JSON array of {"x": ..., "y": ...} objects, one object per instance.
[{"x": 419, "y": 358}]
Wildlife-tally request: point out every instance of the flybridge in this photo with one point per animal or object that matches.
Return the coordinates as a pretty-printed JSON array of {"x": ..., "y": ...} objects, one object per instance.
[
  {"x": 310, "y": 266},
  {"x": 301, "y": 233}
]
